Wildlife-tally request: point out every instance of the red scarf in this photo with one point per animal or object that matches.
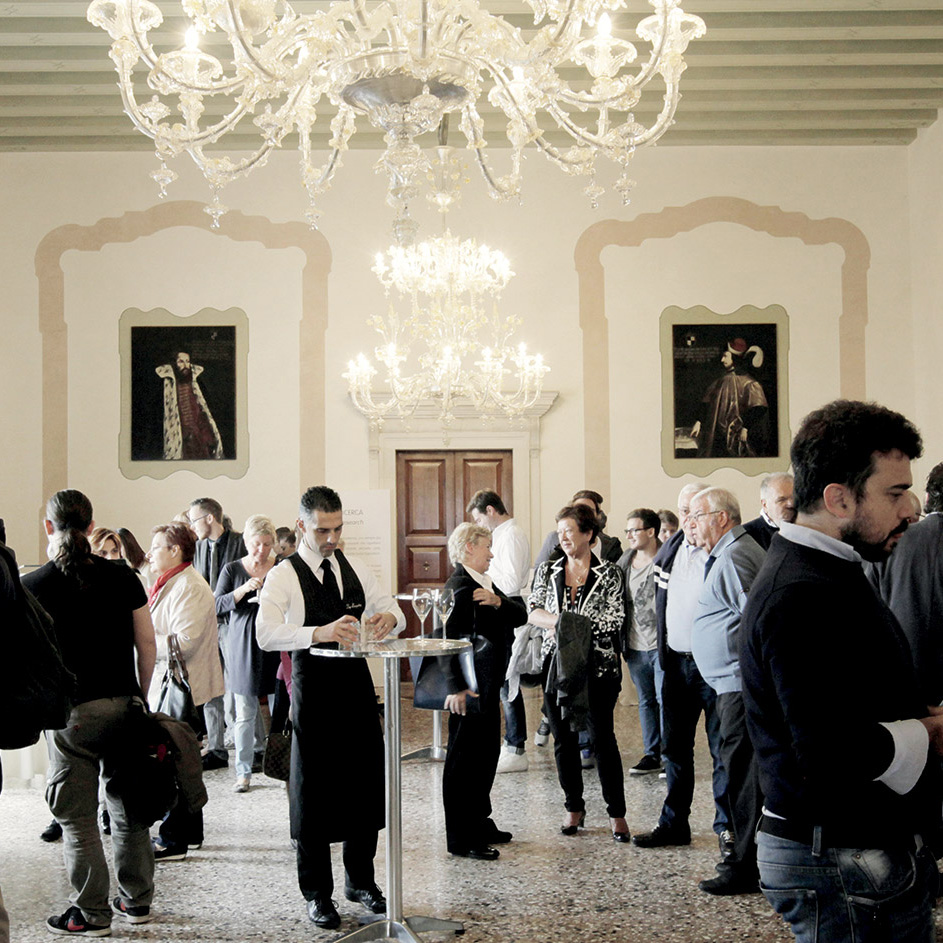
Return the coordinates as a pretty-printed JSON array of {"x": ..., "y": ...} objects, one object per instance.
[{"x": 162, "y": 580}]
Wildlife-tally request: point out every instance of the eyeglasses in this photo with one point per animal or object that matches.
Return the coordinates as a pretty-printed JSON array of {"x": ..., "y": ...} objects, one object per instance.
[
  {"x": 700, "y": 514},
  {"x": 193, "y": 520},
  {"x": 632, "y": 531}
]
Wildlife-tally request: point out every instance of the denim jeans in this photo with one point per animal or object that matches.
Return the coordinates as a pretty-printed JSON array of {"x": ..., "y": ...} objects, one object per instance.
[
  {"x": 647, "y": 675},
  {"x": 515, "y": 720},
  {"x": 849, "y": 895}
]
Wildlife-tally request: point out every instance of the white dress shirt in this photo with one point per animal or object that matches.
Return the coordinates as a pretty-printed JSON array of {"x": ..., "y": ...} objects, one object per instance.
[
  {"x": 510, "y": 568},
  {"x": 684, "y": 590},
  {"x": 280, "y": 622}
]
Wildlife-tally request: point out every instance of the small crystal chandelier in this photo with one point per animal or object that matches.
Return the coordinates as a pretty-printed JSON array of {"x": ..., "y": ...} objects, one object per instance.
[
  {"x": 563, "y": 84},
  {"x": 448, "y": 284}
]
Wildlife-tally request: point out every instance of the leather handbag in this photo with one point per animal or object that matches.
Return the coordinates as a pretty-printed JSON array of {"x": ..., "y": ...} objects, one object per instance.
[
  {"x": 176, "y": 698},
  {"x": 276, "y": 763}
]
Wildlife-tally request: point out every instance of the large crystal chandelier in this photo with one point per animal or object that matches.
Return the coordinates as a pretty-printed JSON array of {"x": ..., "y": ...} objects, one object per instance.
[
  {"x": 452, "y": 288},
  {"x": 565, "y": 83}
]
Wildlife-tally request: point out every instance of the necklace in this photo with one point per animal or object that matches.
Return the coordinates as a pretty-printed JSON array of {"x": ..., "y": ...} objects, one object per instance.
[{"x": 571, "y": 570}]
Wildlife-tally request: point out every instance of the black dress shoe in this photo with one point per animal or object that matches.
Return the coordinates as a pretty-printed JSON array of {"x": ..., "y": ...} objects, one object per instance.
[
  {"x": 257, "y": 760},
  {"x": 371, "y": 897},
  {"x": 622, "y": 837},
  {"x": 728, "y": 884},
  {"x": 573, "y": 829},
  {"x": 661, "y": 836},
  {"x": 322, "y": 912},
  {"x": 52, "y": 832},
  {"x": 215, "y": 761},
  {"x": 494, "y": 835},
  {"x": 479, "y": 853}
]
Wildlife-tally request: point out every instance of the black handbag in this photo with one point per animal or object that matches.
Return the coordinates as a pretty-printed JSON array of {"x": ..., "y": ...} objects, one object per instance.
[
  {"x": 276, "y": 763},
  {"x": 435, "y": 678},
  {"x": 176, "y": 698}
]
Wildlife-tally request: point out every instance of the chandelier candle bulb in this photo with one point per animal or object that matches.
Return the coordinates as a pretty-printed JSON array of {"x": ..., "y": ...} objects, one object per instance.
[{"x": 403, "y": 67}]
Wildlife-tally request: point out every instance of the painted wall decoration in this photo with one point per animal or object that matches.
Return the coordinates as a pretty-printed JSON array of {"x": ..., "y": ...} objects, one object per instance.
[
  {"x": 183, "y": 393},
  {"x": 724, "y": 390}
]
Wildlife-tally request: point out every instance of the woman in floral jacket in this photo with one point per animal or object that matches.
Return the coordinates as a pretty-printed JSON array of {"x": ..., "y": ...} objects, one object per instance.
[{"x": 575, "y": 582}]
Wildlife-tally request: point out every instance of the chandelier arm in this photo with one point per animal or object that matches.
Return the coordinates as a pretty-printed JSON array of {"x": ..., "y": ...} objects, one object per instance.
[
  {"x": 654, "y": 58},
  {"x": 243, "y": 167},
  {"x": 247, "y": 48},
  {"x": 145, "y": 49}
]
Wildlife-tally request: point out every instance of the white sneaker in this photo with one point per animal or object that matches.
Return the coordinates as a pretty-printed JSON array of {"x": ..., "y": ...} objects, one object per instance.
[
  {"x": 511, "y": 762},
  {"x": 542, "y": 734}
]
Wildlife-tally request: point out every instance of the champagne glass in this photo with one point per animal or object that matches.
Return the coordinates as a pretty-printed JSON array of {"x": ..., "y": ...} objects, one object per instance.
[
  {"x": 422, "y": 604},
  {"x": 444, "y": 602}
]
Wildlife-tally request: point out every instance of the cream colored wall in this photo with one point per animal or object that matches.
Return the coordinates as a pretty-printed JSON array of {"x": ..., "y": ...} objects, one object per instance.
[
  {"x": 926, "y": 269},
  {"x": 184, "y": 269}
]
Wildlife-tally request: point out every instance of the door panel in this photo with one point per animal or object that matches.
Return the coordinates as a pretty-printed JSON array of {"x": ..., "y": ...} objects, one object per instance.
[{"x": 433, "y": 489}]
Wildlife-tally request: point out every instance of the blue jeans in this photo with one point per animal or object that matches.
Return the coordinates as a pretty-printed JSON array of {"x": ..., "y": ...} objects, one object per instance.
[
  {"x": 647, "y": 675},
  {"x": 849, "y": 895},
  {"x": 515, "y": 720}
]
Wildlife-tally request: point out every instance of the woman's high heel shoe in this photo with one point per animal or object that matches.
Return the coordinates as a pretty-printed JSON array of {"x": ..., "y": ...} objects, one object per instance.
[
  {"x": 573, "y": 829},
  {"x": 619, "y": 834}
]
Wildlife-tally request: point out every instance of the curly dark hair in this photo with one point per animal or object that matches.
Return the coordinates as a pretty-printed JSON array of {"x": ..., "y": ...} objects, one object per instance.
[
  {"x": 320, "y": 498},
  {"x": 837, "y": 444},
  {"x": 935, "y": 489}
]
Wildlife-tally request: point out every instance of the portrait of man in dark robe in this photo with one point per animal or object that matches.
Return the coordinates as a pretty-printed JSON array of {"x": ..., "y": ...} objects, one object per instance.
[
  {"x": 189, "y": 429},
  {"x": 734, "y": 417}
]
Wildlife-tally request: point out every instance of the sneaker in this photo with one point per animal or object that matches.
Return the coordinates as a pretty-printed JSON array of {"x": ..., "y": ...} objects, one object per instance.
[
  {"x": 647, "y": 764},
  {"x": 542, "y": 734},
  {"x": 72, "y": 923},
  {"x": 168, "y": 852},
  {"x": 587, "y": 758},
  {"x": 511, "y": 761},
  {"x": 661, "y": 836},
  {"x": 242, "y": 784},
  {"x": 726, "y": 841},
  {"x": 52, "y": 832},
  {"x": 131, "y": 914}
]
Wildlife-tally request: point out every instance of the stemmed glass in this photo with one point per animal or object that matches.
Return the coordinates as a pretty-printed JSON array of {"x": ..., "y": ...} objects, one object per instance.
[
  {"x": 444, "y": 602},
  {"x": 422, "y": 604}
]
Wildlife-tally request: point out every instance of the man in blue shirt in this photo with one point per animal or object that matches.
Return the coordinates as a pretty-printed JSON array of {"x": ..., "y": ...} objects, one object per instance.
[{"x": 734, "y": 559}]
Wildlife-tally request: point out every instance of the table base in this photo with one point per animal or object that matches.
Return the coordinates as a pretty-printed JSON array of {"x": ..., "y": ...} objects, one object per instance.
[{"x": 380, "y": 927}]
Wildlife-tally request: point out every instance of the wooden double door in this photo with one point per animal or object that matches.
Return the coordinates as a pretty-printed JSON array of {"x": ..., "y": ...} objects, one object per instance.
[{"x": 433, "y": 489}]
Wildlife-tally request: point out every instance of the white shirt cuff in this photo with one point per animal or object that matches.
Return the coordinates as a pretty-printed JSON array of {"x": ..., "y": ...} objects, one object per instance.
[{"x": 911, "y": 746}]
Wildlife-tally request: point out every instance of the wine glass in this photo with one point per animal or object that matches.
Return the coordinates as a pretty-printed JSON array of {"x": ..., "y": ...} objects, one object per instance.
[
  {"x": 444, "y": 602},
  {"x": 422, "y": 604}
]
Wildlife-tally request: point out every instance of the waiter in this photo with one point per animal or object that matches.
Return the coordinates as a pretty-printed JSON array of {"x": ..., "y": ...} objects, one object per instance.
[{"x": 316, "y": 597}]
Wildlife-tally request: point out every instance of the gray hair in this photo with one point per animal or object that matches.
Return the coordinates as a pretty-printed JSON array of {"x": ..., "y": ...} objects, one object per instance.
[
  {"x": 770, "y": 480},
  {"x": 720, "y": 499},
  {"x": 259, "y": 526},
  {"x": 466, "y": 533},
  {"x": 691, "y": 489}
]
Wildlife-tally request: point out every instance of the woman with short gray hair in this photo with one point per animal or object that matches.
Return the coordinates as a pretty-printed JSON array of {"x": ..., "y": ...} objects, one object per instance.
[
  {"x": 480, "y": 611},
  {"x": 250, "y": 671}
]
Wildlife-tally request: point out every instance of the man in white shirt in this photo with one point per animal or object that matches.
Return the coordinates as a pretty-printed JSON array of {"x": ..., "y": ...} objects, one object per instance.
[
  {"x": 316, "y": 598},
  {"x": 510, "y": 571}
]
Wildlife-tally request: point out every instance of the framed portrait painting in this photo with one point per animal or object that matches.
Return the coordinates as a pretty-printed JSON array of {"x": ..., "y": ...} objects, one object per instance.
[
  {"x": 183, "y": 393},
  {"x": 724, "y": 396}
]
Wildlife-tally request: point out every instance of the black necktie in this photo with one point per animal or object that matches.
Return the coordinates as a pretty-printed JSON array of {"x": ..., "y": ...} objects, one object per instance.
[
  {"x": 329, "y": 580},
  {"x": 707, "y": 566},
  {"x": 214, "y": 564}
]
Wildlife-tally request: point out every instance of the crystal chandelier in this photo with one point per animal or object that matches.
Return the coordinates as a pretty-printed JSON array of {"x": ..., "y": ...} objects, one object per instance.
[
  {"x": 565, "y": 84},
  {"x": 448, "y": 284}
]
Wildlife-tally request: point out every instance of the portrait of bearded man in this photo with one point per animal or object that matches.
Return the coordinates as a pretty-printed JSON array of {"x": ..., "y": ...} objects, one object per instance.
[{"x": 190, "y": 431}]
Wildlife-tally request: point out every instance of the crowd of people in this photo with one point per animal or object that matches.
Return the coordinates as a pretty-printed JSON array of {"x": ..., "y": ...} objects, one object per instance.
[{"x": 810, "y": 650}]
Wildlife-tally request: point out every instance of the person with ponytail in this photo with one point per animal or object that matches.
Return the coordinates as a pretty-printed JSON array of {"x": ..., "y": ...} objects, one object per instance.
[{"x": 104, "y": 630}]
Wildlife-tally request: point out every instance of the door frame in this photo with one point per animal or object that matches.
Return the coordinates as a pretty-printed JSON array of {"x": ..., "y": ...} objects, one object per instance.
[{"x": 469, "y": 433}]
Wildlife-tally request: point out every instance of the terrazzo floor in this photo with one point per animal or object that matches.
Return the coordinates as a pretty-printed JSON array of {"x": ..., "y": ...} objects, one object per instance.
[{"x": 241, "y": 885}]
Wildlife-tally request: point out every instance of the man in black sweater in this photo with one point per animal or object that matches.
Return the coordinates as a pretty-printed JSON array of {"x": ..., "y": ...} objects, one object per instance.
[{"x": 847, "y": 752}]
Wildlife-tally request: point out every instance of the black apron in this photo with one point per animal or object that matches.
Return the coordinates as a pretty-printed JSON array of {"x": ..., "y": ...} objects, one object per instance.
[{"x": 336, "y": 787}]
